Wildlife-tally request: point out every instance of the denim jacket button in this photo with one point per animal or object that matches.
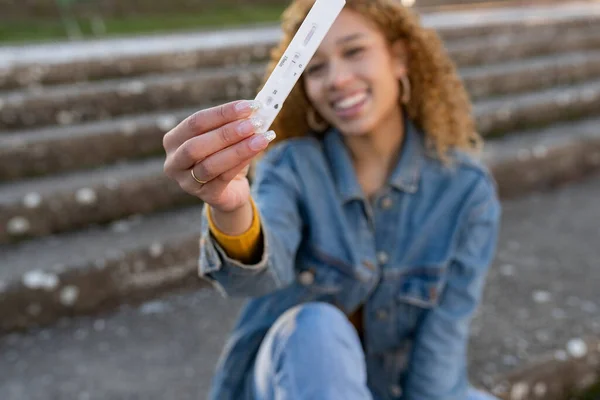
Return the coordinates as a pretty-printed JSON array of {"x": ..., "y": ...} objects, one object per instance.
[
  {"x": 396, "y": 390},
  {"x": 306, "y": 278},
  {"x": 382, "y": 257},
  {"x": 386, "y": 203},
  {"x": 382, "y": 314}
]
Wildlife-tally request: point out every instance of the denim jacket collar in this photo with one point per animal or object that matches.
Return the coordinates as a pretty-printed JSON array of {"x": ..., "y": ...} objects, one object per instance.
[{"x": 405, "y": 176}]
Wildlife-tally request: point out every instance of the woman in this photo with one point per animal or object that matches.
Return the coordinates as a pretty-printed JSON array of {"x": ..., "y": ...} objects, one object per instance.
[{"x": 365, "y": 241}]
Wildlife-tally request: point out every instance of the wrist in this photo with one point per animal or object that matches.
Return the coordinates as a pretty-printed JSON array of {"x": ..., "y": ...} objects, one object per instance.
[
  {"x": 228, "y": 210},
  {"x": 232, "y": 222}
]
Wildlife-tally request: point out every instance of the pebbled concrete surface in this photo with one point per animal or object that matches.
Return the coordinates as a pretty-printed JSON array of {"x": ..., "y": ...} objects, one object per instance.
[
  {"x": 541, "y": 298},
  {"x": 542, "y": 292}
]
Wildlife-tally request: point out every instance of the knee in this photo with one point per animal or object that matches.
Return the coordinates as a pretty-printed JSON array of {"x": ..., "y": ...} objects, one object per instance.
[
  {"x": 313, "y": 320},
  {"x": 313, "y": 317},
  {"x": 301, "y": 343}
]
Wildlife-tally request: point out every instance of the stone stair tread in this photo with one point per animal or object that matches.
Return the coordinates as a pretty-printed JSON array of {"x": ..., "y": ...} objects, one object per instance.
[
  {"x": 109, "y": 175},
  {"x": 558, "y": 94},
  {"x": 70, "y": 103},
  {"x": 526, "y": 14},
  {"x": 530, "y": 74},
  {"x": 123, "y": 85},
  {"x": 99, "y": 127},
  {"x": 167, "y": 348},
  {"x": 99, "y": 49},
  {"x": 74, "y": 249},
  {"x": 541, "y": 141},
  {"x": 588, "y": 27},
  {"x": 509, "y": 46},
  {"x": 570, "y": 58},
  {"x": 121, "y": 47},
  {"x": 59, "y": 149}
]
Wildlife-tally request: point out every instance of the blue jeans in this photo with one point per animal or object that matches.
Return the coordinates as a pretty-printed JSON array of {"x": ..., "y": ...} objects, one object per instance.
[{"x": 291, "y": 364}]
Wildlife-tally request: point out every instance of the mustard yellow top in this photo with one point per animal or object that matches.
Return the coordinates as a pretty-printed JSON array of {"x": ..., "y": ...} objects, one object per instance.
[{"x": 243, "y": 247}]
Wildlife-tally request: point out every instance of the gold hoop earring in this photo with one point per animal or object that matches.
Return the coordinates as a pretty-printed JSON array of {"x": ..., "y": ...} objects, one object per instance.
[
  {"x": 405, "y": 83},
  {"x": 314, "y": 123}
]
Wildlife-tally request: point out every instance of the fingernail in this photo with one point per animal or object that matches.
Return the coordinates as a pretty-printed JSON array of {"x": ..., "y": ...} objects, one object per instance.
[
  {"x": 270, "y": 136},
  {"x": 247, "y": 105},
  {"x": 250, "y": 125},
  {"x": 262, "y": 140}
]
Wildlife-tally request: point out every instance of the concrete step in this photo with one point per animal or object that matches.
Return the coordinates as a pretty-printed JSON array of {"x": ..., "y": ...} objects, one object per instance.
[
  {"x": 541, "y": 159},
  {"x": 71, "y": 104},
  {"x": 97, "y": 268},
  {"x": 482, "y": 51},
  {"x": 508, "y": 113},
  {"x": 94, "y": 269},
  {"x": 65, "y": 202},
  {"x": 532, "y": 74},
  {"x": 118, "y": 66},
  {"x": 61, "y": 149},
  {"x": 49, "y": 64},
  {"x": 166, "y": 349}
]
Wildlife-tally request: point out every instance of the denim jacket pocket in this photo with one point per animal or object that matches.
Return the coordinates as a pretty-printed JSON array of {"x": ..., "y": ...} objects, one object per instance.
[{"x": 422, "y": 286}]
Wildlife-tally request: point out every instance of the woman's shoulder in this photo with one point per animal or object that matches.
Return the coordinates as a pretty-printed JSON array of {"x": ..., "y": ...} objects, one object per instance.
[
  {"x": 462, "y": 165},
  {"x": 463, "y": 173},
  {"x": 472, "y": 169},
  {"x": 471, "y": 163}
]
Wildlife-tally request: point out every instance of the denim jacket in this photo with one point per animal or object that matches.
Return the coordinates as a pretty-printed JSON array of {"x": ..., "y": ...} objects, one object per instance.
[{"x": 415, "y": 256}]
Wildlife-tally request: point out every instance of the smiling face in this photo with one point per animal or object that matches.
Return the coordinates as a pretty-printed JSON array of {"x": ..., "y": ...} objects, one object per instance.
[{"x": 352, "y": 81}]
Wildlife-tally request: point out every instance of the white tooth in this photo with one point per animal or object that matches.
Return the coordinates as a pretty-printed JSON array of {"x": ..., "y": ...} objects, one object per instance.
[{"x": 351, "y": 101}]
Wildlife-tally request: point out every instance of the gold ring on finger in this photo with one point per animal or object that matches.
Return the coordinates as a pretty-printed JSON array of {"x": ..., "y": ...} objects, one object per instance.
[{"x": 196, "y": 178}]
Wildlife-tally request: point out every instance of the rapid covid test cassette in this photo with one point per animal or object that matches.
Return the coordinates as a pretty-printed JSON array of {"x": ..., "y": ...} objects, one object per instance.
[{"x": 293, "y": 62}]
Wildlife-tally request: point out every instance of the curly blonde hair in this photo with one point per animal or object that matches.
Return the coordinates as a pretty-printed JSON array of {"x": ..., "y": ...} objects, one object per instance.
[{"x": 439, "y": 103}]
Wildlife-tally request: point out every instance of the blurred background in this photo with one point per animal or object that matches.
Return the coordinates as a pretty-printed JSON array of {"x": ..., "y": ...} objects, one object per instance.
[{"x": 99, "y": 297}]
